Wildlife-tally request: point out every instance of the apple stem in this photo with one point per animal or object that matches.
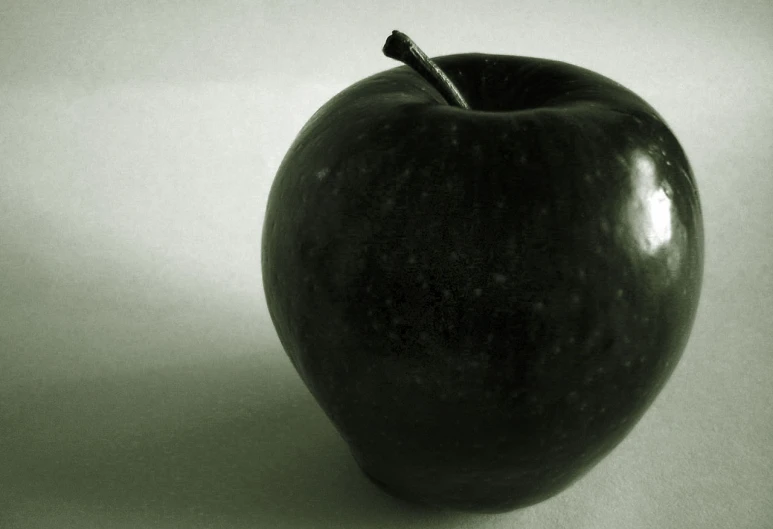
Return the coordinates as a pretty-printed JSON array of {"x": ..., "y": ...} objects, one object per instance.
[{"x": 400, "y": 47}]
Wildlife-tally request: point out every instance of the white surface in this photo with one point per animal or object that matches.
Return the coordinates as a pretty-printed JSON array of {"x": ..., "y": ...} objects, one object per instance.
[{"x": 141, "y": 381}]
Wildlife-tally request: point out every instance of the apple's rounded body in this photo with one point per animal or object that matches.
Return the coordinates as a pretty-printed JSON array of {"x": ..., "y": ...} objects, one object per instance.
[{"x": 484, "y": 301}]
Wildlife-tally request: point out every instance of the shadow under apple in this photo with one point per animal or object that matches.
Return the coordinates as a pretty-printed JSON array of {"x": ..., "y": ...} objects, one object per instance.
[{"x": 237, "y": 443}]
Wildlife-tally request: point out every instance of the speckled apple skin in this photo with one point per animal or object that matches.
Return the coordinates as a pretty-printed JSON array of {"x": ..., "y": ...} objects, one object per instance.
[{"x": 484, "y": 302}]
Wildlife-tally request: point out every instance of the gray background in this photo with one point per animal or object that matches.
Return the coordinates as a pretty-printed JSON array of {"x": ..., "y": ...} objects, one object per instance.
[{"x": 141, "y": 381}]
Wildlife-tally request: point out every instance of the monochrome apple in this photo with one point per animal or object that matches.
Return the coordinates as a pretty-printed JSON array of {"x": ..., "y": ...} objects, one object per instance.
[{"x": 484, "y": 268}]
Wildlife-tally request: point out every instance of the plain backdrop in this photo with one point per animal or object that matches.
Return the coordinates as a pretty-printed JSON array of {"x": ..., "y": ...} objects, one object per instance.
[{"x": 142, "y": 384}]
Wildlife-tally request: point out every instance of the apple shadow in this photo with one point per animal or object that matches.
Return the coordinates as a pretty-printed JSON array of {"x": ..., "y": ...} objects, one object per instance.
[{"x": 232, "y": 445}]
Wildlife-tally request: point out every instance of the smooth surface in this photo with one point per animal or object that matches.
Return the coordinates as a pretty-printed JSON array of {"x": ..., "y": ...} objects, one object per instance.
[
  {"x": 141, "y": 383},
  {"x": 484, "y": 303}
]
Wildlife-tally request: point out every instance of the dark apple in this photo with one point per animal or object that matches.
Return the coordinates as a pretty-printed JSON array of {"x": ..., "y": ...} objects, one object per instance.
[{"x": 484, "y": 268}]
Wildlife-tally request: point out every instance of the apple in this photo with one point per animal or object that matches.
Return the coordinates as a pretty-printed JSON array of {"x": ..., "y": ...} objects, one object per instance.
[{"x": 484, "y": 268}]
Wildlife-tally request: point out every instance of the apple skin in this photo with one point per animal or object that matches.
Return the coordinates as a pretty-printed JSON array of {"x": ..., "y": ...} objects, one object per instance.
[{"x": 484, "y": 302}]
